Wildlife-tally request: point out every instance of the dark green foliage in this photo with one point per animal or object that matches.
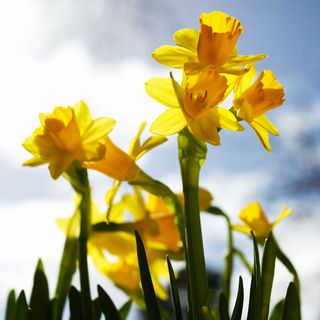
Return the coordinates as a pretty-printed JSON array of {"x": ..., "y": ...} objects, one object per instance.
[
  {"x": 23, "y": 312},
  {"x": 223, "y": 307},
  {"x": 125, "y": 309},
  {"x": 277, "y": 311},
  {"x": 75, "y": 304},
  {"x": 11, "y": 306},
  {"x": 174, "y": 292},
  {"x": 237, "y": 310},
  {"x": 150, "y": 298},
  {"x": 39, "y": 301},
  {"x": 107, "y": 306},
  {"x": 291, "y": 310}
]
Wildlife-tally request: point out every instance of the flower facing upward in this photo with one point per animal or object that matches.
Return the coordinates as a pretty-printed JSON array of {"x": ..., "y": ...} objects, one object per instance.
[
  {"x": 67, "y": 134},
  {"x": 214, "y": 47},
  {"x": 253, "y": 99},
  {"x": 193, "y": 104},
  {"x": 255, "y": 219}
]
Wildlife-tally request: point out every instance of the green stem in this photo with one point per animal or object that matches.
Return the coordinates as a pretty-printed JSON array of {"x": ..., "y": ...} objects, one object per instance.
[
  {"x": 78, "y": 178},
  {"x": 228, "y": 269},
  {"x": 191, "y": 155}
]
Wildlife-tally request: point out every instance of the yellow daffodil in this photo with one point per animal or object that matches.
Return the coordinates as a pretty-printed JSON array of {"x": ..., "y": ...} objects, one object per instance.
[
  {"x": 193, "y": 104},
  {"x": 255, "y": 220},
  {"x": 214, "y": 46},
  {"x": 68, "y": 134},
  {"x": 114, "y": 252},
  {"x": 253, "y": 99}
]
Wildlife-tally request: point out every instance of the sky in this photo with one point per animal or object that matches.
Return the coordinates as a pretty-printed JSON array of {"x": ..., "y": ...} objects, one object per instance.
[{"x": 59, "y": 52}]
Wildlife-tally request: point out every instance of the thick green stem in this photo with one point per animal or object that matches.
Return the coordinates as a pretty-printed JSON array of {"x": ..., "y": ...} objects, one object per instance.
[{"x": 191, "y": 155}]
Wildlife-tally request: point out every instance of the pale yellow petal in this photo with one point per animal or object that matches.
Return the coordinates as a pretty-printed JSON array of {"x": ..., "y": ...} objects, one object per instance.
[
  {"x": 161, "y": 89},
  {"x": 174, "y": 56},
  {"x": 187, "y": 38},
  {"x": 83, "y": 115},
  {"x": 98, "y": 129},
  {"x": 150, "y": 144},
  {"x": 241, "y": 228},
  {"x": 169, "y": 122},
  {"x": 33, "y": 162},
  {"x": 285, "y": 212}
]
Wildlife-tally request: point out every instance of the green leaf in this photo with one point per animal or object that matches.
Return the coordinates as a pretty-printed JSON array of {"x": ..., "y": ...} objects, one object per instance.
[
  {"x": 75, "y": 304},
  {"x": 277, "y": 311},
  {"x": 255, "y": 287},
  {"x": 237, "y": 310},
  {"x": 39, "y": 301},
  {"x": 11, "y": 306},
  {"x": 150, "y": 298},
  {"x": 291, "y": 310},
  {"x": 23, "y": 312},
  {"x": 125, "y": 309},
  {"x": 174, "y": 291},
  {"x": 107, "y": 306},
  {"x": 267, "y": 274},
  {"x": 67, "y": 268},
  {"x": 223, "y": 307},
  {"x": 96, "y": 309}
]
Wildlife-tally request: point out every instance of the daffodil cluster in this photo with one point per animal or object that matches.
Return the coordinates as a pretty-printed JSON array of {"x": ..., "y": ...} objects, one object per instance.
[{"x": 212, "y": 69}]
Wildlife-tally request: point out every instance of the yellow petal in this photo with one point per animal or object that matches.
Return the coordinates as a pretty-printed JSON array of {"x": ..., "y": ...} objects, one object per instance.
[
  {"x": 83, "y": 115},
  {"x": 262, "y": 134},
  {"x": 98, "y": 129},
  {"x": 169, "y": 122},
  {"x": 235, "y": 61},
  {"x": 228, "y": 121},
  {"x": 264, "y": 122},
  {"x": 174, "y": 56},
  {"x": 187, "y": 38},
  {"x": 33, "y": 162},
  {"x": 150, "y": 144},
  {"x": 161, "y": 89},
  {"x": 241, "y": 228},
  {"x": 285, "y": 212},
  {"x": 206, "y": 128},
  {"x": 244, "y": 82},
  {"x": 59, "y": 166}
]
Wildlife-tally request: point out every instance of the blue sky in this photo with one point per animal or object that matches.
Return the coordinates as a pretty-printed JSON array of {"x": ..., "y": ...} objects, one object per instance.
[{"x": 58, "y": 52}]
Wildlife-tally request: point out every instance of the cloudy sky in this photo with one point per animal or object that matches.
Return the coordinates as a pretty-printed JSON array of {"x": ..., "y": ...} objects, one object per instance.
[{"x": 58, "y": 52}]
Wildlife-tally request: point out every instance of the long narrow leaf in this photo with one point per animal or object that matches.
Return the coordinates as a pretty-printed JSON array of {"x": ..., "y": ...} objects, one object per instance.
[
  {"x": 23, "y": 311},
  {"x": 75, "y": 304},
  {"x": 125, "y": 309},
  {"x": 96, "y": 309},
  {"x": 107, "y": 306},
  {"x": 277, "y": 311},
  {"x": 267, "y": 274},
  {"x": 291, "y": 310},
  {"x": 174, "y": 291},
  {"x": 146, "y": 281},
  {"x": 11, "y": 306},
  {"x": 237, "y": 311},
  {"x": 39, "y": 301},
  {"x": 255, "y": 287},
  {"x": 223, "y": 307}
]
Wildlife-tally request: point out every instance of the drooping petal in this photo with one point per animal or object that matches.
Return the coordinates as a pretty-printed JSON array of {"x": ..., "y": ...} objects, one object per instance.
[
  {"x": 161, "y": 89},
  {"x": 262, "y": 134},
  {"x": 59, "y": 165},
  {"x": 169, "y": 122},
  {"x": 33, "y": 162},
  {"x": 244, "y": 82},
  {"x": 241, "y": 228},
  {"x": 264, "y": 122},
  {"x": 187, "y": 38},
  {"x": 174, "y": 56}
]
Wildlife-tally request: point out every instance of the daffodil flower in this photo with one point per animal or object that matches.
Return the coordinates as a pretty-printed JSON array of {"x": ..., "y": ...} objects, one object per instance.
[
  {"x": 213, "y": 47},
  {"x": 255, "y": 220},
  {"x": 253, "y": 99},
  {"x": 66, "y": 135},
  {"x": 114, "y": 252},
  {"x": 193, "y": 104}
]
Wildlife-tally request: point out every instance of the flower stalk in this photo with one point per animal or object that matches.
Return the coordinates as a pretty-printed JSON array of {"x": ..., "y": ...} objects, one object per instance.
[
  {"x": 78, "y": 178},
  {"x": 192, "y": 153}
]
